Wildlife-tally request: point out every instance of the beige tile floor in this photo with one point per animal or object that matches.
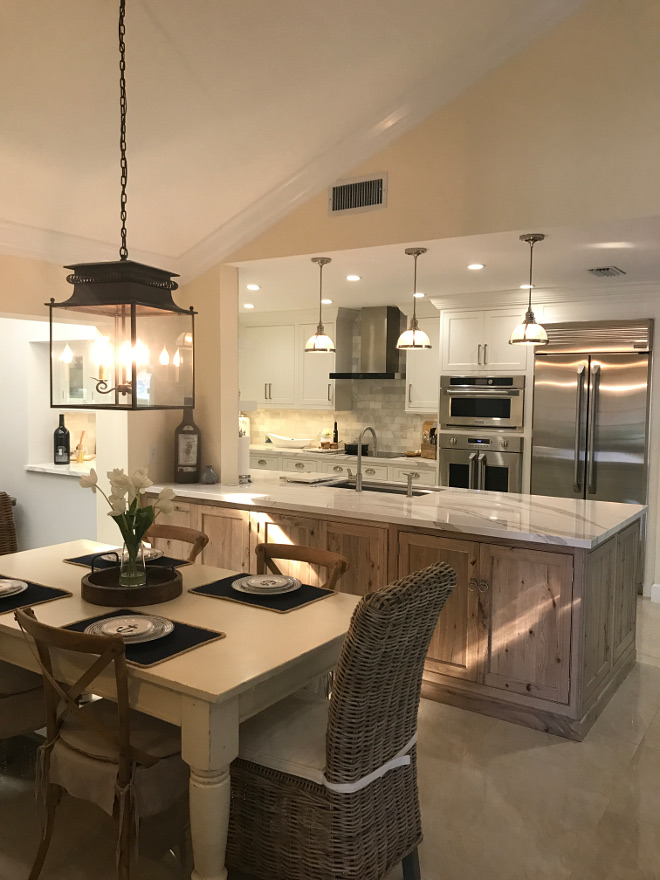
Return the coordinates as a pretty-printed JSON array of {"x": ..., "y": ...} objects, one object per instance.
[{"x": 499, "y": 801}]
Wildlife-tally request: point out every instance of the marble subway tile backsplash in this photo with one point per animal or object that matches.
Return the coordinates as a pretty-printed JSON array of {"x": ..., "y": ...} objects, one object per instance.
[{"x": 380, "y": 403}]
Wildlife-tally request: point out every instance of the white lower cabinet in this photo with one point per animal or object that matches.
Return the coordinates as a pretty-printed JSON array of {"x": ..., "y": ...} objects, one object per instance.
[
  {"x": 265, "y": 461},
  {"x": 336, "y": 469},
  {"x": 425, "y": 476}
]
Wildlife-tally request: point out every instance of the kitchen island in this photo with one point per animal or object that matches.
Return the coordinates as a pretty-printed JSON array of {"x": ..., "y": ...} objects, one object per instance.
[{"x": 541, "y": 627}]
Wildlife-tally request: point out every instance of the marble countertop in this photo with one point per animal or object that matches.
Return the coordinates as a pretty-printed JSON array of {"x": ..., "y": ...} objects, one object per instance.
[
  {"x": 535, "y": 518},
  {"x": 63, "y": 470},
  {"x": 333, "y": 453}
]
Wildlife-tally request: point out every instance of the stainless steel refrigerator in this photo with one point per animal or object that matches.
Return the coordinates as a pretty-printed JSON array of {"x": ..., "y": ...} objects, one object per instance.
[{"x": 590, "y": 420}]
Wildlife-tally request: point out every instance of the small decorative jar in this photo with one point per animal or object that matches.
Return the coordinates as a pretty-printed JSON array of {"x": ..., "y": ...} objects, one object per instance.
[{"x": 209, "y": 475}]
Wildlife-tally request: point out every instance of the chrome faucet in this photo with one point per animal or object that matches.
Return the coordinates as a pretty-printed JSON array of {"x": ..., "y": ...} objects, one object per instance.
[{"x": 358, "y": 478}]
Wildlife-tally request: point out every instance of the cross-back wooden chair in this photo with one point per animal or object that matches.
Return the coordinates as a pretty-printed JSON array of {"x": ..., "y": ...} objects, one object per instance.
[
  {"x": 334, "y": 564},
  {"x": 126, "y": 762},
  {"x": 198, "y": 539},
  {"x": 328, "y": 788}
]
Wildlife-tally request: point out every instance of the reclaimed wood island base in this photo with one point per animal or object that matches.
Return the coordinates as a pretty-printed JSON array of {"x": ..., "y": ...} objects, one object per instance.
[{"x": 540, "y": 629}]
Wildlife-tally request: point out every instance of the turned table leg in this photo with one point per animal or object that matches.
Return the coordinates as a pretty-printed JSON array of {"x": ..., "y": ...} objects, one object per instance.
[{"x": 209, "y": 743}]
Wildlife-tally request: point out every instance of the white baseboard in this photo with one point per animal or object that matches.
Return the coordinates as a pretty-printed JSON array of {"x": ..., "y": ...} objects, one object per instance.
[{"x": 655, "y": 593}]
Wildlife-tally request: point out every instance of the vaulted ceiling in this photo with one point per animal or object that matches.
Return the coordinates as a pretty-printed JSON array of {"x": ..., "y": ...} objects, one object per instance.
[{"x": 228, "y": 103}]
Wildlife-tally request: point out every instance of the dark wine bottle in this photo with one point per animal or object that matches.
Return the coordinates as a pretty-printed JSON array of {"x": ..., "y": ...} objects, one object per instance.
[
  {"x": 61, "y": 443},
  {"x": 187, "y": 449},
  {"x": 335, "y": 434}
]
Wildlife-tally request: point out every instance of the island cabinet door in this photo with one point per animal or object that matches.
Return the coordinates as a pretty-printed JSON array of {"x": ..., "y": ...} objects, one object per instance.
[
  {"x": 529, "y": 593},
  {"x": 365, "y": 547},
  {"x": 459, "y": 641},
  {"x": 229, "y": 537},
  {"x": 275, "y": 528}
]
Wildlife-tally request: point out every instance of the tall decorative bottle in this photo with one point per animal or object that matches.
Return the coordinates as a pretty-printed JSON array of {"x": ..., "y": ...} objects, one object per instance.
[
  {"x": 61, "y": 443},
  {"x": 187, "y": 449}
]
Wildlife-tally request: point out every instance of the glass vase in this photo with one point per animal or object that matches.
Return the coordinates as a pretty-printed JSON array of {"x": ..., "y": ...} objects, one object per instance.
[{"x": 132, "y": 571}]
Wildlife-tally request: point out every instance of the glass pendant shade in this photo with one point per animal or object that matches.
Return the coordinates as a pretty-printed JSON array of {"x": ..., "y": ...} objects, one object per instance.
[
  {"x": 529, "y": 332},
  {"x": 414, "y": 339},
  {"x": 110, "y": 342},
  {"x": 320, "y": 343}
]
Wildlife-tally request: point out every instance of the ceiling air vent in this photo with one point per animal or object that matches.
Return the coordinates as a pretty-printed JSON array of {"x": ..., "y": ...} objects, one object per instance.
[
  {"x": 606, "y": 271},
  {"x": 359, "y": 194}
]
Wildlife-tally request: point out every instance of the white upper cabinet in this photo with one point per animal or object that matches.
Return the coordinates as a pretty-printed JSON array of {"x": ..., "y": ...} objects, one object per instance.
[
  {"x": 315, "y": 387},
  {"x": 423, "y": 371},
  {"x": 479, "y": 341},
  {"x": 267, "y": 365}
]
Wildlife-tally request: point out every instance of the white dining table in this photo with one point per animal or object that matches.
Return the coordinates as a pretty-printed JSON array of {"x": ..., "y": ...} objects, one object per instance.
[{"x": 207, "y": 691}]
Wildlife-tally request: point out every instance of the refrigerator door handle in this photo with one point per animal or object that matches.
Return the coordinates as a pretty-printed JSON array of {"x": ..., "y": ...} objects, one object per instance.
[
  {"x": 481, "y": 473},
  {"x": 577, "y": 485},
  {"x": 591, "y": 438},
  {"x": 472, "y": 461}
]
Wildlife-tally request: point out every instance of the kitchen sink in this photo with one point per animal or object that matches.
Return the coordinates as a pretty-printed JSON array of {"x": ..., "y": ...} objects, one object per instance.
[{"x": 378, "y": 487}]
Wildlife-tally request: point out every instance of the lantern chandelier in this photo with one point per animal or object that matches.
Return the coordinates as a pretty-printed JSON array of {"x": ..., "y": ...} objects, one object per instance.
[
  {"x": 141, "y": 351},
  {"x": 414, "y": 338},
  {"x": 529, "y": 332},
  {"x": 319, "y": 342}
]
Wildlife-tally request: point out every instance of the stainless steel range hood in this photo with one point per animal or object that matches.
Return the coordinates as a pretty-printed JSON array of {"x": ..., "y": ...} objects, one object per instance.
[{"x": 380, "y": 328}]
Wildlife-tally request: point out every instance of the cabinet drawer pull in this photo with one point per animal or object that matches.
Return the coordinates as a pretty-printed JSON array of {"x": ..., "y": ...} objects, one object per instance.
[
  {"x": 479, "y": 354},
  {"x": 180, "y": 509},
  {"x": 270, "y": 391},
  {"x": 262, "y": 461},
  {"x": 410, "y": 392},
  {"x": 330, "y": 392},
  {"x": 483, "y": 586},
  {"x": 485, "y": 354},
  {"x": 265, "y": 390},
  {"x": 472, "y": 584},
  {"x": 338, "y": 468},
  {"x": 370, "y": 471},
  {"x": 299, "y": 464}
]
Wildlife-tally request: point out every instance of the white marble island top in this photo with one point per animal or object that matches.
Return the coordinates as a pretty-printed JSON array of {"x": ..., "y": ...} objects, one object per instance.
[{"x": 535, "y": 518}]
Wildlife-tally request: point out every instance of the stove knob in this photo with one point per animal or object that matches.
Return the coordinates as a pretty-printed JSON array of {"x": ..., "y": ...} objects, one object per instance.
[
  {"x": 453, "y": 441},
  {"x": 504, "y": 443}
]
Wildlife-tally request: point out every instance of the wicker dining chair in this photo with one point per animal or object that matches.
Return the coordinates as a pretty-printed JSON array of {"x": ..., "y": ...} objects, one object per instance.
[
  {"x": 328, "y": 789},
  {"x": 334, "y": 564},
  {"x": 198, "y": 539},
  {"x": 8, "y": 542},
  {"x": 102, "y": 751}
]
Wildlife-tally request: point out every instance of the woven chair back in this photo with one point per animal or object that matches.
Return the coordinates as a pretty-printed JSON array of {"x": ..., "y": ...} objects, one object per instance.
[
  {"x": 378, "y": 679},
  {"x": 8, "y": 542}
]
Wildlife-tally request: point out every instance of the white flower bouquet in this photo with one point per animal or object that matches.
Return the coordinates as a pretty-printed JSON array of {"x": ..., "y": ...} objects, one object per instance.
[{"x": 132, "y": 518}]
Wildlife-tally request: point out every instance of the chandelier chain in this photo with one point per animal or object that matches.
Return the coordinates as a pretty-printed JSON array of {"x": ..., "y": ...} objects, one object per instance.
[{"x": 123, "y": 251}]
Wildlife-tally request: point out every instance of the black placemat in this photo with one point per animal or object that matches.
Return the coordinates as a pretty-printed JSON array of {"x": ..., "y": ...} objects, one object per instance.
[
  {"x": 35, "y": 594},
  {"x": 88, "y": 558},
  {"x": 184, "y": 637},
  {"x": 282, "y": 603}
]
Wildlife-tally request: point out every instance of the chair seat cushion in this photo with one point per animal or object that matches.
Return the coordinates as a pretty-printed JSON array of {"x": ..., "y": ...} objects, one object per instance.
[
  {"x": 86, "y": 765},
  {"x": 15, "y": 680},
  {"x": 289, "y": 736}
]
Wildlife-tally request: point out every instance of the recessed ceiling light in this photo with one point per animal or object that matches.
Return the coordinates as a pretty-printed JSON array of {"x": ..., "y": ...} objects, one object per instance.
[
  {"x": 248, "y": 306},
  {"x": 476, "y": 266},
  {"x": 352, "y": 277},
  {"x": 526, "y": 286},
  {"x": 253, "y": 287},
  {"x": 326, "y": 302},
  {"x": 418, "y": 295}
]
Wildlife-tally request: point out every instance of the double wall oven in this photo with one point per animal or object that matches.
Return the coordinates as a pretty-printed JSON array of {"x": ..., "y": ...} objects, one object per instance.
[{"x": 477, "y": 444}]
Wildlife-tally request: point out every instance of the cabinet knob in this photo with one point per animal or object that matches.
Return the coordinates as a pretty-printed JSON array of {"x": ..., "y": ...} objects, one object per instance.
[
  {"x": 370, "y": 471},
  {"x": 472, "y": 584},
  {"x": 299, "y": 464},
  {"x": 483, "y": 586}
]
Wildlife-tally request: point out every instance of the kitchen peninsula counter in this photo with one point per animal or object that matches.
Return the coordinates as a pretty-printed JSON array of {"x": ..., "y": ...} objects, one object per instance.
[
  {"x": 531, "y": 518},
  {"x": 540, "y": 628}
]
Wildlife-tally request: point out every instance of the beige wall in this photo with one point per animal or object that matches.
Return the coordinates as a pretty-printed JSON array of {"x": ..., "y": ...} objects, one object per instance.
[
  {"x": 25, "y": 285},
  {"x": 566, "y": 133}
]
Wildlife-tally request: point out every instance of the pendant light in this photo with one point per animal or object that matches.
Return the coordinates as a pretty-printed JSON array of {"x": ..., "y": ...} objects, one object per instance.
[
  {"x": 136, "y": 323},
  {"x": 529, "y": 332},
  {"x": 414, "y": 338},
  {"x": 320, "y": 343}
]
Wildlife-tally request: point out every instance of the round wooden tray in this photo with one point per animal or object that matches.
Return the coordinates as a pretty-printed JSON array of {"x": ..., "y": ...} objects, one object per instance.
[{"x": 101, "y": 587}]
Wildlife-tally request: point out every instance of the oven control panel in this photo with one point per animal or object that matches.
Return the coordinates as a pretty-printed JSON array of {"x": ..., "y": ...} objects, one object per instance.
[{"x": 492, "y": 441}]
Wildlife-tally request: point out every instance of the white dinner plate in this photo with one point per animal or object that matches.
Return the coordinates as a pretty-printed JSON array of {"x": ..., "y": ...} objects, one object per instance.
[
  {"x": 133, "y": 628},
  {"x": 266, "y": 585},
  {"x": 10, "y": 587}
]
